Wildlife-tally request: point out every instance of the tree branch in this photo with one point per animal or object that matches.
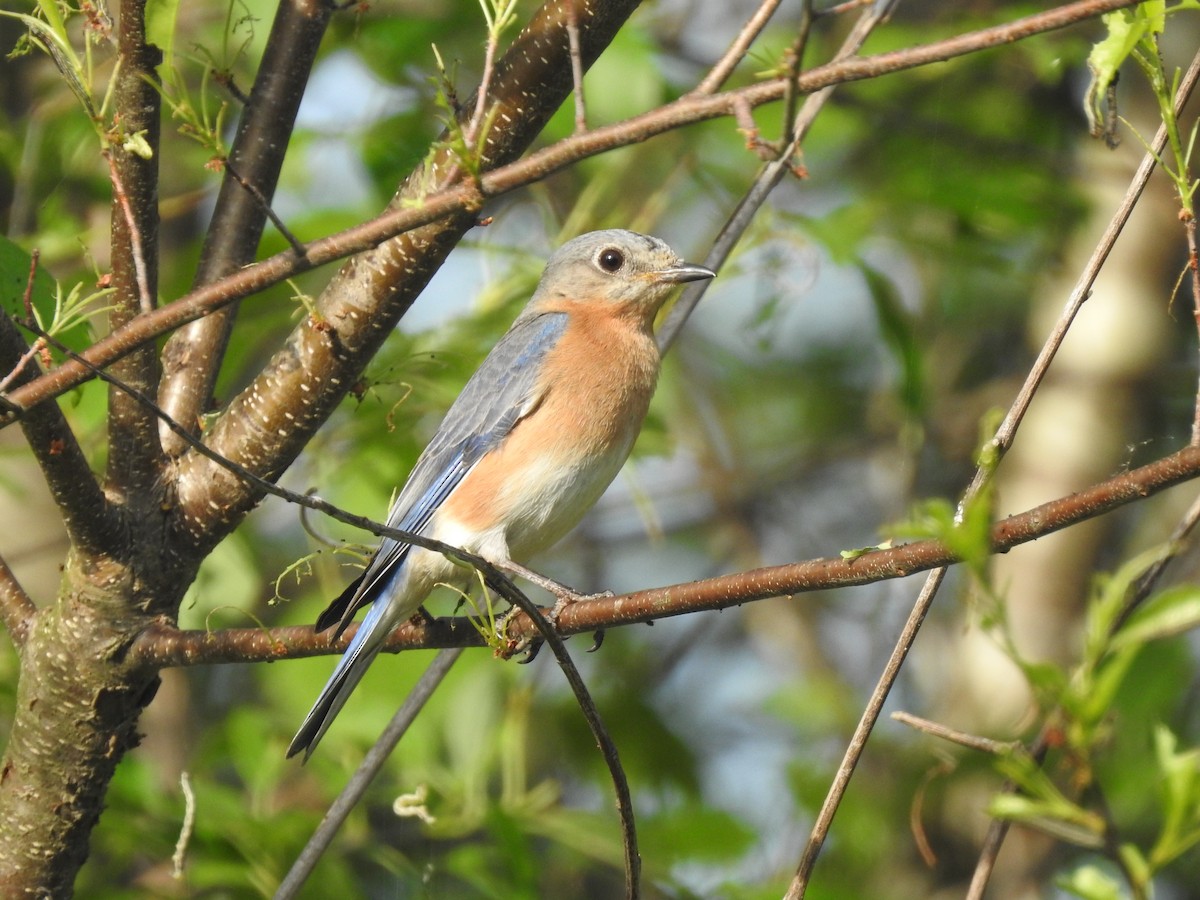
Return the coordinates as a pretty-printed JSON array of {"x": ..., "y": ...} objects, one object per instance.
[
  {"x": 135, "y": 455},
  {"x": 16, "y": 607},
  {"x": 192, "y": 357},
  {"x": 162, "y": 645},
  {"x": 769, "y": 176},
  {"x": 467, "y": 198},
  {"x": 86, "y": 512},
  {"x": 738, "y": 48},
  {"x": 269, "y": 423},
  {"x": 999, "y": 445},
  {"x": 998, "y": 829}
]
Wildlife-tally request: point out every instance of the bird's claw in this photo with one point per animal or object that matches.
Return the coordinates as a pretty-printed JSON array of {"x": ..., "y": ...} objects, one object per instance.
[
  {"x": 566, "y": 597},
  {"x": 510, "y": 647},
  {"x": 532, "y": 648}
]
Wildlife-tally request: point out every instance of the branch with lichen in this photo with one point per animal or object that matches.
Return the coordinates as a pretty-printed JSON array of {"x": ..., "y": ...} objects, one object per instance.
[{"x": 469, "y": 198}]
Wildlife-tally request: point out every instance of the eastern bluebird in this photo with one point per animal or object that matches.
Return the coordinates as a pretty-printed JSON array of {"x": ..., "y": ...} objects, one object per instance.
[{"x": 533, "y": 440}]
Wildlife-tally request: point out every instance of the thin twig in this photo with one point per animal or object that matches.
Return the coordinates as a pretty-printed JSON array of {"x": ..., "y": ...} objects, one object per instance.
[
  {"x": 365, "y": 774},
  {"x": 738, "y": 48},
  {"x": 998, "y": 830},
  {"x": 946, "y": 733},
  {"x": 536, "y": 166},
  {"x": 576, "y": 66},
  {"x": 145, "y": 300},
  {"x": 839, "y": 8},
  {"x": 16, "y": 607},
  {"x": 795, "y": 58},
  {"x": 608, "y": 748},
  {"x": 494, "y": 576},
  {"x": 472, "y": 133},
  {"x": 489, "y": 65},
  {"x": 858, "y": 740},
  {"x": 1193, "y": 264},
  {"x": 265, "y": 205},
  {"x": 769, "y": 176}
]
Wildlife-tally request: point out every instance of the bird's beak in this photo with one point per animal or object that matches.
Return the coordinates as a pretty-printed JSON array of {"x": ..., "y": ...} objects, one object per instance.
[{"x": 684, "y": 272}]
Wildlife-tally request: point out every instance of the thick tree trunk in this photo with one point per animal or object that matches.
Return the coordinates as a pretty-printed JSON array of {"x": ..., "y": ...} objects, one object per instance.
[
  {"x": 78, "y": 702},
  {"x": 81, "y": 690}
]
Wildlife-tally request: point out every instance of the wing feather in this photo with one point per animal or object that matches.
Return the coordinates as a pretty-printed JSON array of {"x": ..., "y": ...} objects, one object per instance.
[{"x": 502, "y": 391}]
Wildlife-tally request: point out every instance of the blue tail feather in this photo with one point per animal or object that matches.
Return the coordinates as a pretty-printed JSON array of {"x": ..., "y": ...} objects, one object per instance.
[{"x": 348, "y": 672}]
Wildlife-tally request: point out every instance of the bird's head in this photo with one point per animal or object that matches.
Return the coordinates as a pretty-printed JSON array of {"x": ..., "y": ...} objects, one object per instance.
[{"x": 632, "y": 272}]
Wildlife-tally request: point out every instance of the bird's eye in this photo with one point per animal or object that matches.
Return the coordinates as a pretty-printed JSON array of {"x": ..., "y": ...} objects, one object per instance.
[{"x": 611, "y": 260}]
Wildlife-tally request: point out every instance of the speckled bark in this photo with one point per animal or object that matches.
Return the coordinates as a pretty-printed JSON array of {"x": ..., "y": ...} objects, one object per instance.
[
  {"x": 81, "y": 690},
  {"x": 135, "y": 455},
  {"x": 267, "y": 426},
  {"x": 192, "y": 357},
  {"x": 78, "y": 701}
]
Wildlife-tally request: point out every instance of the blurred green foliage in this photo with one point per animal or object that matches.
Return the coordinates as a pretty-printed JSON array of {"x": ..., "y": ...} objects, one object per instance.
[{"x": 867, "y": 324}]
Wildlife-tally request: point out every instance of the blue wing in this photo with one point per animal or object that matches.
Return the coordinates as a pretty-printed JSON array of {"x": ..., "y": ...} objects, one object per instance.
[{"x": 500, "y": 393}]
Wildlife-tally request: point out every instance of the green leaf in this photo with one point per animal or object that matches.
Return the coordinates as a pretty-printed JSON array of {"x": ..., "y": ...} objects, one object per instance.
[
  {"x": 1107, "y": 658},
  {"x": 937, "y": 519},
  {"x": 1181, "y": 797},
  {"x": 1166, "y": 614},
  {"x": 898, "y": 328},
  {"x": 1126, "y": 29},
  {"x": 863, "y": 551},
  {"x": 1042, "y": 805},
  {"x": 1073, "y": 825},
  {"x": 933, "y": 518},
  {"x": 14, "y": 277},
  {"x": 161, "y": 16},
  {"x": 1092, "y": 882},
  {"x": 1109, "y": 595},
  {"x": 1094, "y": 691},
  {"x": 64, "y": 315},
  {"x": 56, "y": 44}
]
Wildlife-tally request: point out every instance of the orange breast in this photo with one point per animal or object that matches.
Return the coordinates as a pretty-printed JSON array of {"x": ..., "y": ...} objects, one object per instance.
[{"x": 595, "y": 390}]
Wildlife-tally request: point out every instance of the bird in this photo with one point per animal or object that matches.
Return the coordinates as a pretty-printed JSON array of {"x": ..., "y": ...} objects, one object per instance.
[{"x": 532, "y": 441}]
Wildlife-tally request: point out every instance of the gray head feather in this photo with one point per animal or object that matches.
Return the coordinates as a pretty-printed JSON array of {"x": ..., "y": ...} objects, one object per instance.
[{"x": 615, "y": 266}]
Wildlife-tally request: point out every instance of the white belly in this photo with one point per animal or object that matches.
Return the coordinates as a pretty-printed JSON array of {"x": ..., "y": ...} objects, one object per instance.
[
  {"x": 541, "y": 505},
  {"x": 538, "y": 518}
]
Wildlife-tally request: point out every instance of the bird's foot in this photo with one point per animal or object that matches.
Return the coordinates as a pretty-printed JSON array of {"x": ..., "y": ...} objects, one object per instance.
[
  {"x": 564, "y": 596},
  {"x": 508, "y": 647}
]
